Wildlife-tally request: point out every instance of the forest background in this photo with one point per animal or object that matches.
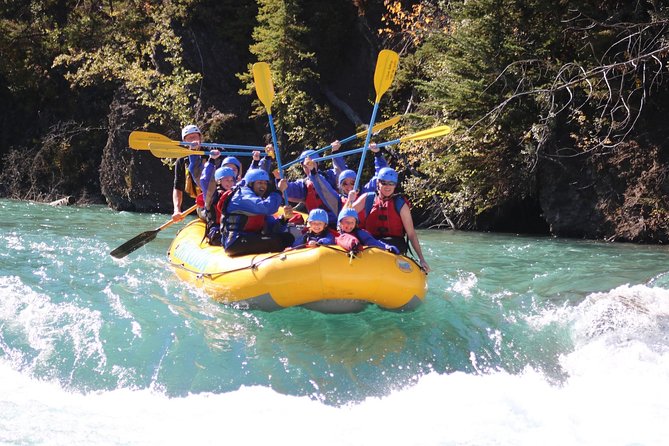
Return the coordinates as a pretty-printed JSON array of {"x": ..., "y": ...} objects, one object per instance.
[{"x": 559, "y": 107}]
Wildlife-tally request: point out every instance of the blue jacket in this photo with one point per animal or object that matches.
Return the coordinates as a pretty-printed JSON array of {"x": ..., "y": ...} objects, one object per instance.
[
  {"x": 297, "y": 191},
  {"x": 323, "y": 238},
  {"x": 333, "y": 198},
  {"x": 195, "y": 166},
  {"x": 367, "y": 239},
  {"x": 245, "y": 203},
  {"x": 208, "y": 183}
]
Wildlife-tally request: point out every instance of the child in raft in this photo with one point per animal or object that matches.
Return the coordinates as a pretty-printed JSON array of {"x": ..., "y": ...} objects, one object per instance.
[
  {"x": 352, "y": 238},
  {"x": 318, "y": 233}
]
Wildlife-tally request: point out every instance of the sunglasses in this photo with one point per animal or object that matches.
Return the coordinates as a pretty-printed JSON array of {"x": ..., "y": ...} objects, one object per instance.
[{"x": 387, "y": 183}]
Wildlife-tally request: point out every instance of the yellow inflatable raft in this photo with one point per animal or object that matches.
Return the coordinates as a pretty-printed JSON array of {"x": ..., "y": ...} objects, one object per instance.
[{"x": 325, "y": 278}]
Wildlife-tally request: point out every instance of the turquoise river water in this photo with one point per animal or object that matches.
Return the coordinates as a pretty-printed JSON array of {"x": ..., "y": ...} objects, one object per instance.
[{"x": 521, "y": 341}]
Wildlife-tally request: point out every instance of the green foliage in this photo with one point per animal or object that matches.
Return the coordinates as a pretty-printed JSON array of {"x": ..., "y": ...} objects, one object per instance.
[
  {"x": 135, "y": 45},
  {"x": 460, "y": 77},
  {"x": 301, "y": 120}
]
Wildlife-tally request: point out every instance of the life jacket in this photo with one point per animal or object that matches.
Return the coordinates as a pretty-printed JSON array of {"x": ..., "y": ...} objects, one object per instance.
[
  {"x": 191, "y": 188},
  {"x": 213, "y": 219},
  {"x": 382, "y": 219},
  {"x": 296, "y": 219},
  {"x": 238, "y": 222},
  {"x": 312, "y": 200}
]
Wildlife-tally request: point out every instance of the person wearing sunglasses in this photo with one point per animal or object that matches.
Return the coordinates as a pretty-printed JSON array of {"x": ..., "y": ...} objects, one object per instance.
[{"x": 387, "y": 214}]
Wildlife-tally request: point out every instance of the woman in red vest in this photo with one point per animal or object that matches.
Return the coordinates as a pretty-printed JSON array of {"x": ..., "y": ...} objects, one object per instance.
[{"x": 388, "y": 215}]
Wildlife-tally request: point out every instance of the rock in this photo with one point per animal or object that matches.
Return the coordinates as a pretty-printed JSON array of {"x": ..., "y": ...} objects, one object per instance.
[
  {"x": 65, "y": 201},
  {"x": 617, "y": 195},
  {"x": 132, "y": 180}
]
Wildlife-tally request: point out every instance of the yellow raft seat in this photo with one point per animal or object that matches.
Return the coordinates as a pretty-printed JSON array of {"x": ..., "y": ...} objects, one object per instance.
[{"x": 325, "y": 278}]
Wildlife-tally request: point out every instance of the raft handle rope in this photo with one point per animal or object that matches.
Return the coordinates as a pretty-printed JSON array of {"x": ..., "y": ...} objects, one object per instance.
[{"x": 254, "y": 266}]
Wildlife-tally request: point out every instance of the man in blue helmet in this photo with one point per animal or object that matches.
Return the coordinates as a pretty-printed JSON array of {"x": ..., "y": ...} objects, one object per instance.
[{"x": 247, "y": 224}]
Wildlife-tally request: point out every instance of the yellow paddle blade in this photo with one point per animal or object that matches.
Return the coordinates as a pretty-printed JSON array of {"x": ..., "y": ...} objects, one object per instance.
[
  {"x": 429, "y": 133},
  {"x": 164, "y": 150},
  {"x": 139, "y": 140},
  {"x": 380, "y": 126},
  {"x": 262, "y": 78},
  {"x": 386, "y": 65}
]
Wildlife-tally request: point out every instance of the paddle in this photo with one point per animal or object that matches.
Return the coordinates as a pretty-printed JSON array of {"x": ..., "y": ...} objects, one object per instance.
[
  {"x": 162, "y": 150},
  {"x": 386, "y": 66},
  {"x": 377, "y": 128},
  {"x": 262, "y": 78},
  {"x": 143, "y": 238},
  {"x": 139, "y": 140},
  {"x": 423, "y": 134}
]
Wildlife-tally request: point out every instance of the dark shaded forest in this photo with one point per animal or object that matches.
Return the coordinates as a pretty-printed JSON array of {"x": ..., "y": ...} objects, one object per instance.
[{"x": 558, "y": 107}]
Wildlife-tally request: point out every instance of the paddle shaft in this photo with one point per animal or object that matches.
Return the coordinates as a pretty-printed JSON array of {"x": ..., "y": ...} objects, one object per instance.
[
  {"x": 377, "y": 128},
  {"x": 140, "y": 140},
  {"x": 343, "y": 141},
  {"x": 206, "y": 152},
  {"x": 364, "y": 149},
  {"x": 384, "y": 73},
  {"x": 355, "y": 151},
  {"x": 277, "y": 153},
  {"x": 262, "y": 79},
  {"x": 423, "y": 134},
  {"x": 225, "y": 146},
  {"x": 144, "y": 238},
  {"x": 172, "y": 151}
]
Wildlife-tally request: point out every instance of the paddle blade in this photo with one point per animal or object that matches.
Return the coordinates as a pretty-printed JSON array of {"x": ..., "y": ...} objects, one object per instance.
[
  {"x": 429, "y": 133},
  {"x": 140, "y": 140},
  {"x": 380, "y": 126},
  {"x": 386, "y": 66},
  {"x": 163, "y": 150},
  {"x": 134, "y": 244},
  {"x": 262, "y": 78}
]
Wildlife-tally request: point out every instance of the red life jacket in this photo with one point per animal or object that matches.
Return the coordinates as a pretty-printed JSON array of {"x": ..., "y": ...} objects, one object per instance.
[
  {"x": 296, "y": 219},
  {"x": 254, "y": 223},
  {"x": 222, "y": 201},
  {"x": 312, "y": 200},
  {"x": 383, "y": 219}
]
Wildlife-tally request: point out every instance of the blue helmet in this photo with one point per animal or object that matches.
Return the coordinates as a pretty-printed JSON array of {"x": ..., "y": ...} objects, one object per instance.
[
  {"x": 318, "y": 215},
  {"x": 307, "y": 153},
  {"x": 223, "y": 172},
  {"x": 347, "y": 174},
  {"x": 234, "y": 161},
  {"x": 388, "y": 174},
  {"x": 256, "y": 175},
  {"x": 189, "y": 129},
  {"x": 347, "y": 212}
]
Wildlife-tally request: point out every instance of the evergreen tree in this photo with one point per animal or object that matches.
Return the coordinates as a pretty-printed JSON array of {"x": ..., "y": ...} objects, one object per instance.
[
  {"x": 515, "y": 76},
  {"x": 301, "y": 120},
  {"x": 464, "y": 76}
]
